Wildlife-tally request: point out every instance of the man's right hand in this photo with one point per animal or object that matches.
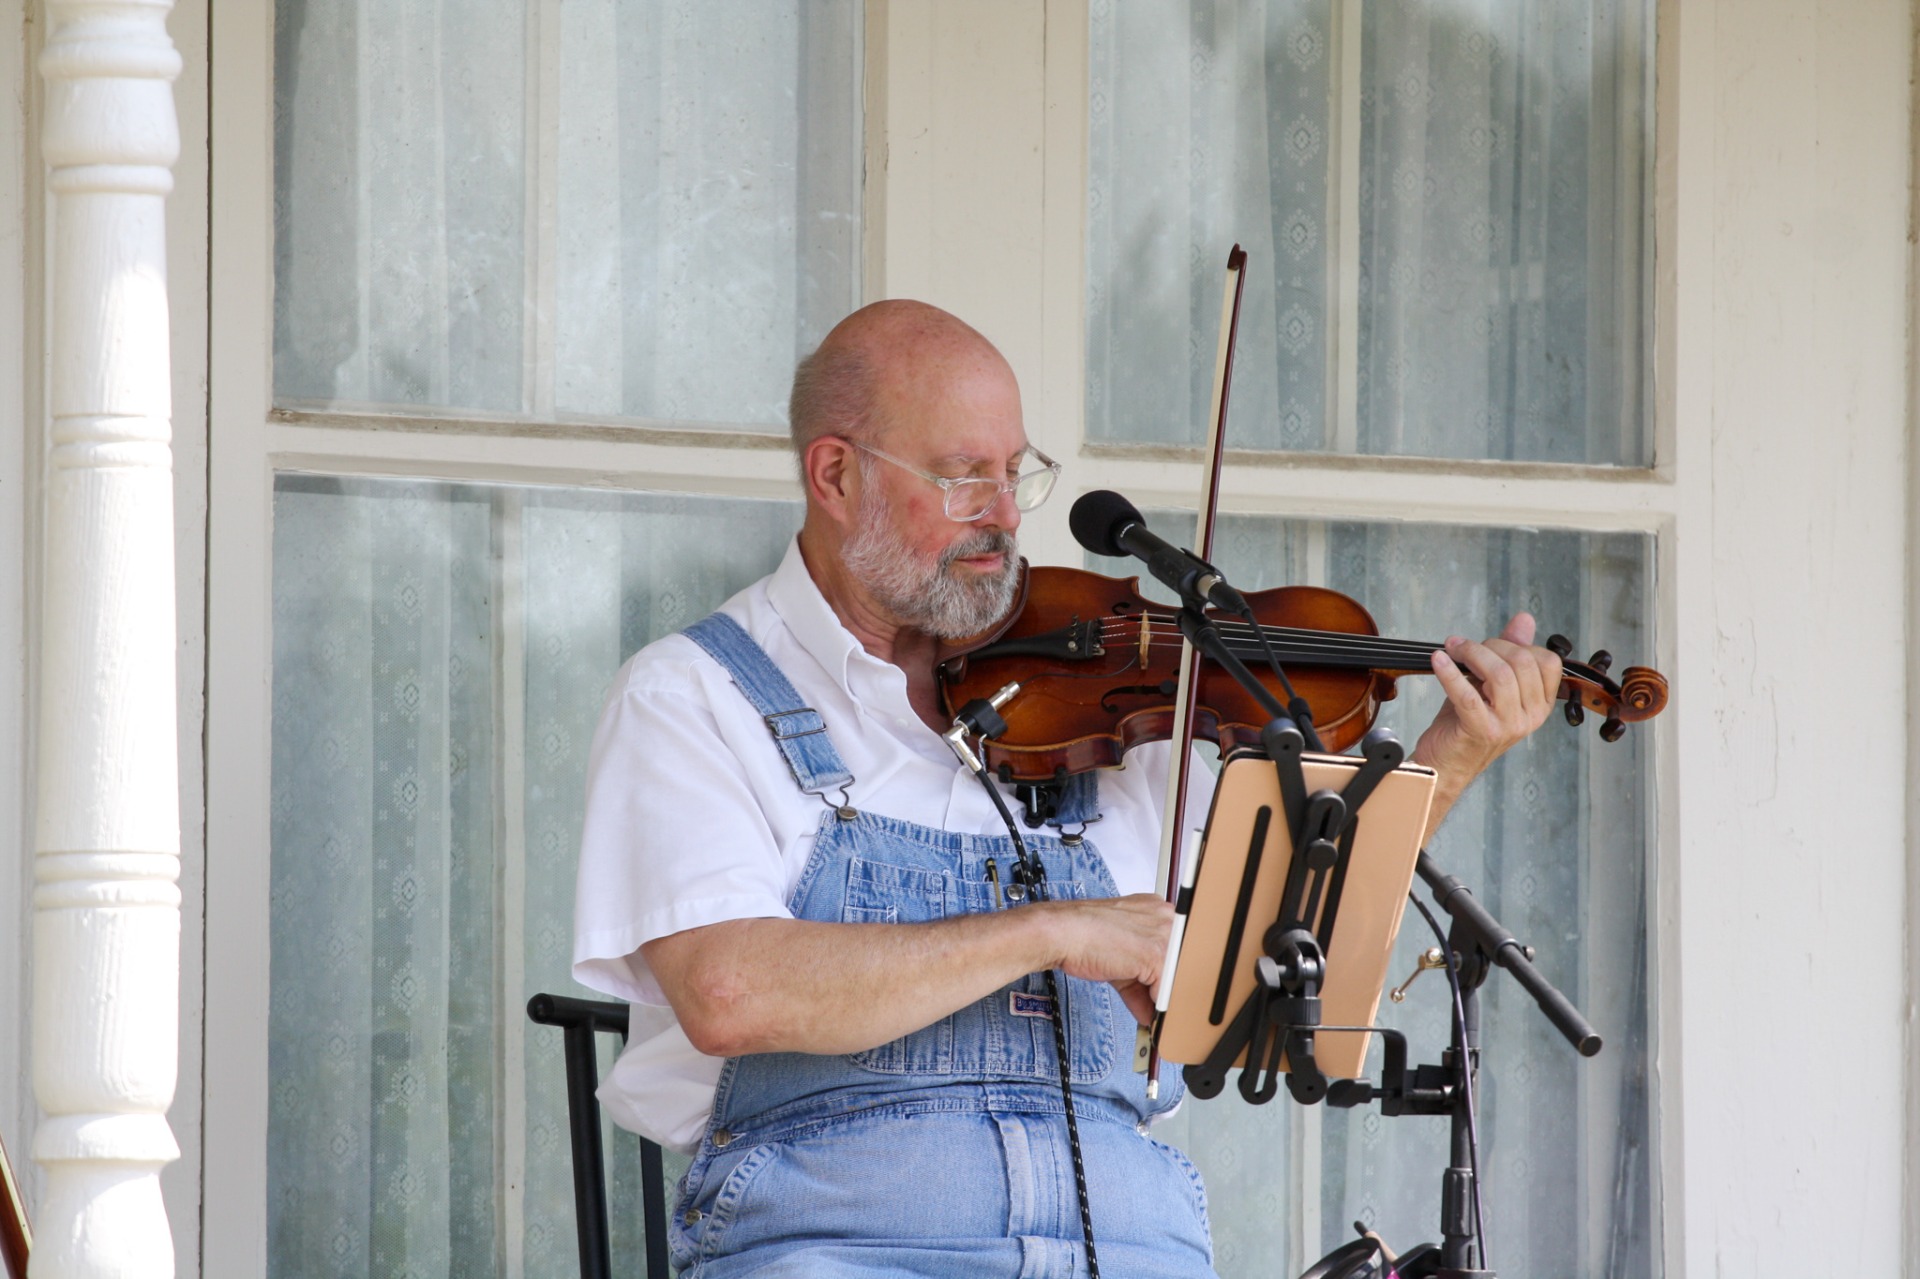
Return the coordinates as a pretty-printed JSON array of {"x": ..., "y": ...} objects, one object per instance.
[
  {"x": 1122, "y": 940},
  {"x": 789, "y": 985}
]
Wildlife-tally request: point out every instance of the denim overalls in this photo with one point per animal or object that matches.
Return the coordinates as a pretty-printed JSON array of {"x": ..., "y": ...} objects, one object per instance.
[{"x": 943, "y": 1153}]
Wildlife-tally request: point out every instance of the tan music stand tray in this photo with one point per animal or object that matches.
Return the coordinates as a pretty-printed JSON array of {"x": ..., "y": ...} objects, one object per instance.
[{"x": 1371, "y": 895}]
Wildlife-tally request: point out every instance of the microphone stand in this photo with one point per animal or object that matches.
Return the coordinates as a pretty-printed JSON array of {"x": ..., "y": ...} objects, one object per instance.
[{"x": 1478, "y": 943}]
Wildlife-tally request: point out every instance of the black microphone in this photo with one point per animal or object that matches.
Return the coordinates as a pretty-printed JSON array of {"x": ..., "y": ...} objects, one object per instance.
[{"x": 1108, "y": 524}]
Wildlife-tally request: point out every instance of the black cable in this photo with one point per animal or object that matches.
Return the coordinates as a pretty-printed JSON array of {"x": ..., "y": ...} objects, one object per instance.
[
  {"x": 1033, "y": 874},
  {"x": 1296, "y": 705},
  {"x": 1466, "y": 1081}
]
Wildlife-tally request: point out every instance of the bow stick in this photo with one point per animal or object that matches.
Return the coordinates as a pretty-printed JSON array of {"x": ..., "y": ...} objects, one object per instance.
[{"x": 1185, "y": 705}]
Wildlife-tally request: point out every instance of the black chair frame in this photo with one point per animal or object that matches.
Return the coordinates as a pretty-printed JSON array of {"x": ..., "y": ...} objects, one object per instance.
[{"x": 579, "y": 1020}]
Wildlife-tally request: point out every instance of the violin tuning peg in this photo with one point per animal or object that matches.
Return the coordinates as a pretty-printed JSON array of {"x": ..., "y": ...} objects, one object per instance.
[
  {"x": 1613, "y": 730},
  {"x": 1601, "y": 660},
  {"x": 1576, "y": 713},
  {"x": 1560, "y": 646}
]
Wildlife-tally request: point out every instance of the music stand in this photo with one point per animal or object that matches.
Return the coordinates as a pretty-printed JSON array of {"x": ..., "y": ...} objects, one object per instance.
[{"x": 1249, "y": 891}]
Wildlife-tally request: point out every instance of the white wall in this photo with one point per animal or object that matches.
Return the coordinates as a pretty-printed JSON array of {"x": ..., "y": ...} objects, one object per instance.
[{"x": 1785, "y": 274}]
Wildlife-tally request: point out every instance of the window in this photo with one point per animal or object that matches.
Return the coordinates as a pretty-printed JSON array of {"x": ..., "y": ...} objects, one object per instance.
[
  {"x": 1446, "y": 205},
  {"x": 441, "y": 653},
  {"x": 1445, "y": 208},
  {"x": 583, "y": 210},
  {"x": 501, "y": 395}
]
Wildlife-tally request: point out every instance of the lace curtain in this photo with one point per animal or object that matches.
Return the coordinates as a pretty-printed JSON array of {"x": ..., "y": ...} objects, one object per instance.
[
  {"x": 602, "y": 209},
  {"x": 423, "y": 869},
  {"x": 385, "y": 884},
  {"x": 596, "y": 209},
  {"x": 1490, "y": 224},
  {"x": 440, "y": 656}
]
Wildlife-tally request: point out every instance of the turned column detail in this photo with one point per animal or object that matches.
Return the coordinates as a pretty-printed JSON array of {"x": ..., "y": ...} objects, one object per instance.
[{"x": 106, "y": 904}]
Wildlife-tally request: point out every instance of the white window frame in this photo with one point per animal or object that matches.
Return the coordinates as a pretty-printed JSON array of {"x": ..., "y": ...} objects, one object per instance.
[
  {"x": 18, "y": 574},
  {"x": 977, "y": 153}
]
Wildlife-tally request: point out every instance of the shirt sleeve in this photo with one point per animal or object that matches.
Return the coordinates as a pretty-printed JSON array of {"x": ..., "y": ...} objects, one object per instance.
[{"x": 673, "y": 835}]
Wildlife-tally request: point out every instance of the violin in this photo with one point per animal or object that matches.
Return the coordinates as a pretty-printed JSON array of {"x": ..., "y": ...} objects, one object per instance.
[
  {"x": 1097, "y": 666},
  {"x": 16, "y": 1237}
]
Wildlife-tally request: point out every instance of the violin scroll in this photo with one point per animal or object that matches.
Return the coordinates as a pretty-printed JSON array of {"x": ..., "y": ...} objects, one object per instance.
[{"x": 1640, "y": 694}]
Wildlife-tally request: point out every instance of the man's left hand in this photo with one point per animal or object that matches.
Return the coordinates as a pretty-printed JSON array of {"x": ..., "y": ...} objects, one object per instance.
[{"x": 1497, "y": 693}]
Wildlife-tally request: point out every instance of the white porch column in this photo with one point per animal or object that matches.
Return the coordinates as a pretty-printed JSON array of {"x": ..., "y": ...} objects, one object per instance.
[{"x": 106, "y": 907}]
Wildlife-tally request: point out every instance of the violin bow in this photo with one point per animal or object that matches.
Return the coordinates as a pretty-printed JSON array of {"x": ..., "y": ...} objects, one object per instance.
[
  {"x": 16, "y": 1238},
  {"x": 1185, "y": 704}
]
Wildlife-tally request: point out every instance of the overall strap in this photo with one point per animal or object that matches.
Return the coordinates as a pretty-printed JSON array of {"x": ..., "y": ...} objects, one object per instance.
[{"x": 797, "y": 729}]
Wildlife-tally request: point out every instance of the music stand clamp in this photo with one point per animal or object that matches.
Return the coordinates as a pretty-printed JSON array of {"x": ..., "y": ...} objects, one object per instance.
[{"x": 1278, "y": 1020}]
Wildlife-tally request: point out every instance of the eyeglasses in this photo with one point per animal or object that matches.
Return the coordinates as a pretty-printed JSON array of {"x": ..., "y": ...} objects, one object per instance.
[{"x": 970, "y": 497}]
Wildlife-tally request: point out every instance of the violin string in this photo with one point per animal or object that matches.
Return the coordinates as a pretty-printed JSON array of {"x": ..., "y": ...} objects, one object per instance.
[
  {"x": 1300, "y": 645},
  {"x": 1241, "y": 644},
  {"x": 1398, "y": 663},
  {"x": 1343, "y": 659},
  {"x": 1308, "y": 645},
  {"x": 1304, "y": 641},
  {"x": 1121, "y": 627}
]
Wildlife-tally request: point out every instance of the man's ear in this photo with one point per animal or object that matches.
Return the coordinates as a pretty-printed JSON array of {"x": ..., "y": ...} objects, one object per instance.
[{"x": 831, "y": 466}]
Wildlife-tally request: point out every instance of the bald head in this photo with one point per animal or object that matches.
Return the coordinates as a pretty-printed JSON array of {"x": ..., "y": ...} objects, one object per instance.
[
  {"x": 870, "y": 363},
  {"x": 909, "y": 383}
]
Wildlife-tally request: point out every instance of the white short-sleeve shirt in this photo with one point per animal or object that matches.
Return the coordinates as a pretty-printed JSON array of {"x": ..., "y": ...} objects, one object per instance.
[{"x": 693, "y": 817}]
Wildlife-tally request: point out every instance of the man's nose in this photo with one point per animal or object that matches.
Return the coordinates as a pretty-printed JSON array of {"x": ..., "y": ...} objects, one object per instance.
[{"x": 1003, "y": 514}]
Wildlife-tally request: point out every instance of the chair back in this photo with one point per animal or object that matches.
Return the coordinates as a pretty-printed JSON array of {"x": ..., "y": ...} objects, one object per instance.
[{"x": 579, "y": 1021}]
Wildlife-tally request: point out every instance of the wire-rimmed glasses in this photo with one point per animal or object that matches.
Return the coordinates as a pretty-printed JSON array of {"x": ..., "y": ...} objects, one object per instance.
[{"x": 970, "y": 497}]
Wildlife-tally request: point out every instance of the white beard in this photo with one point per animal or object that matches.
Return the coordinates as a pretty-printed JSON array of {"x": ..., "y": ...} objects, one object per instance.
[{"x": 930, "y": 594}]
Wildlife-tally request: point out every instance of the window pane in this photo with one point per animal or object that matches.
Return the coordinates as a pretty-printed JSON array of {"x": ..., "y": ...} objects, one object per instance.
[
  {"x": 415, "y": 906},
  {"x": 606, "y": 574},
  {"x": 1490, "y": 223},
  {"x": 385, "y": 1007},
  {"x": 400, "y": 219},
  {"x": 1208, "y": 125},
  {"x": 650, "y": 220},
  {"x": 1553, "y": 841},
  {"x": 709, "y": 203}
]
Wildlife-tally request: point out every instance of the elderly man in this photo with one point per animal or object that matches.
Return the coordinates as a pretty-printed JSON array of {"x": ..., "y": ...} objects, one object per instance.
[{"x": 784, "y": 869}]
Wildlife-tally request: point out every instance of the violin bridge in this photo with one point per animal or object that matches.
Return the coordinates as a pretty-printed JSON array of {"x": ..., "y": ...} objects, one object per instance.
[{"x": 1146, "y": 640}]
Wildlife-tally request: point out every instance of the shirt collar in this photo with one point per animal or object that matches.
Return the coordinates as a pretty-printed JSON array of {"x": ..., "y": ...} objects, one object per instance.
[{"x": 811, "y": 620}]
